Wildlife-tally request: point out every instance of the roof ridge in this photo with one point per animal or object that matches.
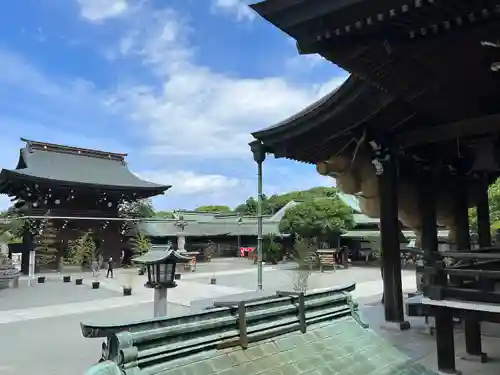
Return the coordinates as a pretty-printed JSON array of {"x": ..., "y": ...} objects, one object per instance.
[
  {"x": 53, "y": 147},
  {"x": 236, "y": 323}
]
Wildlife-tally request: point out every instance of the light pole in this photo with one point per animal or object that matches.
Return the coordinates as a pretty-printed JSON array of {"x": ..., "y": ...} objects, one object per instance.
[
  {"x": 160, "y": 264},
  {"x": 259, "y": 156},
  {"x": 240, "y": 219}
]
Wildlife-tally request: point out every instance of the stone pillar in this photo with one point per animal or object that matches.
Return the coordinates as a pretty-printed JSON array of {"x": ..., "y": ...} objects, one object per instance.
[
  {"x": 160, "y": 302},
  {"x": 384, "y": 162}
]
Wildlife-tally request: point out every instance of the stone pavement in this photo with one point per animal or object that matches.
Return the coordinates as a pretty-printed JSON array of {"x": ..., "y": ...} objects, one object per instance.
[
  {"x": 55, "y": 345},
  {"x": 191, "y": 288},
  {"x": 44, "y": 321}
]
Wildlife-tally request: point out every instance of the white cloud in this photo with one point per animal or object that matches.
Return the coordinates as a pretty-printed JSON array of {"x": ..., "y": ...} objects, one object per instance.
[
  {"x": 237, "y": 8},
  {"x": 190, "y": 183},
  {"x": 193, "y": 111},
  {"x": 100, "y": 10},
  {"x": 197, "y": 111},
  {"x": 301, "y": 63}
]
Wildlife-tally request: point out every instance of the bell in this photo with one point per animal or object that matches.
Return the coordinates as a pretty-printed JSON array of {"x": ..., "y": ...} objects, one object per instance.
[{"x": 484, "y": 156}]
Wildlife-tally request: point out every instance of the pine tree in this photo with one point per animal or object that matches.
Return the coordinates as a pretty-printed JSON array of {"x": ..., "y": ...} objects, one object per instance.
[
  {"x": 140, "y": 244},
  {"x": 46, "y": 253},
  {"x": 83, "y": 249}
]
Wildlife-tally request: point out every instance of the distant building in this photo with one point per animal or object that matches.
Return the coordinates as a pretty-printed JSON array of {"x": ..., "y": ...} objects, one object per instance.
[
  {"x": 223, "y": 229},
  {"x": 61, "y": 191}
]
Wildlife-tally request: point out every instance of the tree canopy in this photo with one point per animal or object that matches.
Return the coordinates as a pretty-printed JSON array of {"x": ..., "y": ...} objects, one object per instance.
[
  {"x": 317, "y": 218},
  {"x": 141, "y": 209},
  {"x": 213, "y": 208},
  {"x": 494, "y": 203},
  {"x": 274, "y": 203}
]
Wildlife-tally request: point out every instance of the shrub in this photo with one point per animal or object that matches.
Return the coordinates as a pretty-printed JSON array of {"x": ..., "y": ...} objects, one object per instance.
[{"x": 271, "y": 250}]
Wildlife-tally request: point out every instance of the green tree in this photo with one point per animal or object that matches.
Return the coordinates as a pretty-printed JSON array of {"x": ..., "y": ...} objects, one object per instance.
[
  {"x": 271, "y": 249},
  {"x": 319, "y": 218},
  {"x": 11, "y": 228},
  {"x": 140, "y": 244},
  {"x": 249, "y": 207},
  {"x": 46, "y": 252},
  {"x": 142, "y": 208},
  {"x": 494, "y": 203},
  {"x": 277, "y": 202},
  {"x": 274, "y": 203},
  {"x": 82, "y": 250},
  {"x": 213, "y": 208}
]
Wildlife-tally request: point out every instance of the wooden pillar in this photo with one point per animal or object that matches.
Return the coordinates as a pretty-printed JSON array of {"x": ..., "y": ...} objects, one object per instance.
[
  {"x": 461, "y": 215},
  {"x": 472, "y": 325},
  {"x": 445, "y": 341},
  {"x": 27, "y": 246},
  {"x": 385, "y": 167}
]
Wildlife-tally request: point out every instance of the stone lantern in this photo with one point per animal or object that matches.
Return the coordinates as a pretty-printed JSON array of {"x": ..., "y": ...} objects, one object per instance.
[{"x": 160, "y": 263}]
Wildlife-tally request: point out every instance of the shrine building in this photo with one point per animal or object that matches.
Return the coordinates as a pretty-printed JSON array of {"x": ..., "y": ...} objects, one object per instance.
[
  {"x": 414, "y": 133},
  {"x": 62, "y": 191}
]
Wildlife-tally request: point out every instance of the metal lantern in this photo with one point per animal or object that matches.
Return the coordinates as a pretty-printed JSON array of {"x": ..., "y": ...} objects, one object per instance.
[
  {"x": 162, "y": 273},
  {"x": 160, "y": 262}
]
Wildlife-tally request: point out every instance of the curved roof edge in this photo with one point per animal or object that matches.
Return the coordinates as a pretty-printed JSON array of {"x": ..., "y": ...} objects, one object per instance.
[
  {"x": 9, "y": 174},
  {"x": 325, "y": 126},
  {"x": 310, "y": 111}
]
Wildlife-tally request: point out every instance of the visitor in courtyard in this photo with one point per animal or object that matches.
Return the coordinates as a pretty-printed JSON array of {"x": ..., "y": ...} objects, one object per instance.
[{"x": 110, "y": 267}]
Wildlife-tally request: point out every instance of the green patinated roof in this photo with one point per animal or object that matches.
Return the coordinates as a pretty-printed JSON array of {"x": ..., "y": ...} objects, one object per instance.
[
  {"x": 215, "y": 227},
  {"x": 374, "y": 234},
  {"x": 160, "y": 253},
  {"x": 168, "y": 228},
  {"x": 342, "y": 347},
  {"x": 363, "y": 219},
  {"x": 201, "y": 224},
  {"x": 330, "y": 340},
  {"x": 45, "y": 161}
]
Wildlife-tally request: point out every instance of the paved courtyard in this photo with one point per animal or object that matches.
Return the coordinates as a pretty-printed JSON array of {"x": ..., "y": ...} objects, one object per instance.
[
  {"x": 54, "y": 292},
  {"x": 40, "y": 324}
]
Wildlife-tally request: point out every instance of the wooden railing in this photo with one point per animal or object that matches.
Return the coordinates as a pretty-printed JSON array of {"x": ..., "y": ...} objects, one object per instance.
[{"x": 469, "y": 275}]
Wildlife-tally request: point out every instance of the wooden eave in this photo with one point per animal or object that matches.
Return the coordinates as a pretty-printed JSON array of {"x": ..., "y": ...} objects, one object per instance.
[
  {"x": 331, "y": 125},
  {"x": 413, "y": 49},
  {"x": 12, "y": 181},
  {"x": 427, "y": 56}
]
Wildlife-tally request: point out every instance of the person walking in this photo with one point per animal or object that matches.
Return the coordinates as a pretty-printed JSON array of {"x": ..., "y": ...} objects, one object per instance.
[{"x": 110, "y": 267}]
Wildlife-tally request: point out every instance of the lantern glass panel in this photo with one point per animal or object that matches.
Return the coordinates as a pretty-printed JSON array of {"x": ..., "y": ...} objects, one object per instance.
[
  {"x": 152, "y": 273},
  {"x": 168, "y": 276},
  {"x": 162, "y": 275}
]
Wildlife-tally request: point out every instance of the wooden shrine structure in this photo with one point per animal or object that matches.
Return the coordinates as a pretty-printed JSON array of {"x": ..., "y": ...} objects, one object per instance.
[
  {"x": 63, "y": 191},
  {"x": 414, "y": 131}
]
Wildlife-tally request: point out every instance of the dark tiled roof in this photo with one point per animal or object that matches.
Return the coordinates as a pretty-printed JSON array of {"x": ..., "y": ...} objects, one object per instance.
[
  {"x": 281, "y": 336},
  {"x": 69, "y": 165}
]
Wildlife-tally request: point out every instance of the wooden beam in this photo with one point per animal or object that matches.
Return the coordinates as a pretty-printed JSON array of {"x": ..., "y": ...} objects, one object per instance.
[{"x": 460, "y": 129}]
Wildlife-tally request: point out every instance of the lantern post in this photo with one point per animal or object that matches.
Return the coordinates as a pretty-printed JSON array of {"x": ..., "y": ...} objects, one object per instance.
[{"x": 160, "y": 262}]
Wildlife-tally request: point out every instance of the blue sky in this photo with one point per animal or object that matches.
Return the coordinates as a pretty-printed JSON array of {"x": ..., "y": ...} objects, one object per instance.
[{"x": 178, "y": 85}]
